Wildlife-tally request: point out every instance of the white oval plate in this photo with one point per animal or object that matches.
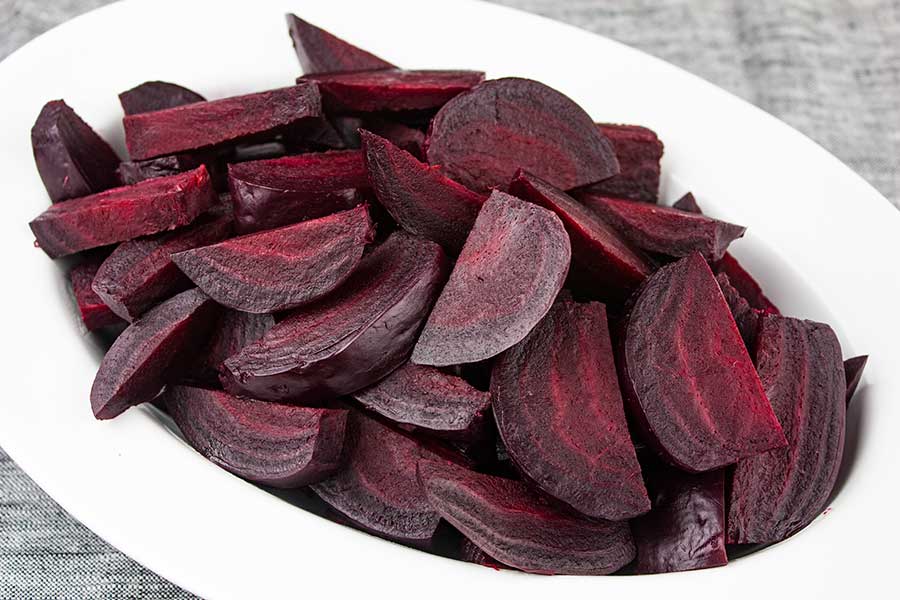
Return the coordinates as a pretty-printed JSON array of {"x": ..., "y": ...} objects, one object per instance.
[{"x": 823, "y": 241}]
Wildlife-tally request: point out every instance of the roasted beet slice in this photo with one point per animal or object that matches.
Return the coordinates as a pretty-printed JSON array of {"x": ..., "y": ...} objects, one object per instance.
[
  {"x": 686, "y": 528},
  {"x": 377, "y": 488},
  {"x": 391, "y": 89},
  {"x": 234, "y": 331},
  {"x": 745, "y": 316},
  {"x": 94, "y": 313},
  {"x": 276, "y": 192},
  {"x": 687, "y": 375},
  {"x": 853, "y": 370},
  {"x": 663, "y": 229},
  {"x": 510, "y": 270},
  {"x": 156, "y": 95},
  {"x": 353, "y": 337},
  {"x": 149, "y": 351},
  {"x": 140, "y": 273},
  {"x": 638, "y": 151},
  {"x": 425, "y": 399},
  {"x": 604, "y": 264},
  {"x": 273, "y": 444},
  {"x": 281, "y": 268},
  {"x": 206, "y": 124},
  {"x": 322, "y": 52},
  {"x": 72, "y": 160},
  {"x": 482, "y": 137},
  {"x": 419, "y": 197},
  {"x": 123, "y": 213},
  {"x": 559, "y": 412},
  {"x": 521, "y": 529}
]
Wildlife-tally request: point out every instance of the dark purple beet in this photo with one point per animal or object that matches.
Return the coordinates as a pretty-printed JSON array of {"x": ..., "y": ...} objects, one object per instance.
[
  {"x": 156, "y": 95},
  {"x": 403, "y": 136},
  {"x": 94, "y": 313},
  {"x": 469, "y": 552},
  {"x": 72, "y": 160},
  {"x": 688, "y": 203},
  {"x": 272, "y": 444},
  {"x": 123, "y": 213},
  {"x": 853, "y": 370},
  {"x": 322, "y": 52},
  {"x": 234, "y": 330},
  {"x": 353, "y": 337},
  {"x": 522, "y": 529},
  {"x": 510, "y": 270},
  {"x": 313, "y": 134},
  {"x": 283, "y": 268},
  {"x": 687, "y": 375},
  {"x": 150, "y": 351},
  {"x": 419, "y": 197},
  {"x": 778, "y": 493},
  {"x": 638, "y": 151},
  {"x": 482, "y": 137},
  {"x": 559, "y": 412},
  {"x": 131, "y": 172},
  {"x": 745, "y": 316}
]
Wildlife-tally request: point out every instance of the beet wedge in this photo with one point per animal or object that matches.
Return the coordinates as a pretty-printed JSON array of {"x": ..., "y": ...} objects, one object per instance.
[
  {"x": 639, "y": 152},
  {"x": 419, "y": 197},
  {"x": 271, "y": 444},
  {"x": 134, "y": 171},
  {"x": 150, "y": 351},
  {"x": 72, "y": 160},
  {"x": 687, "y": 375},
  {"x": 510, "y": 270},
  {"x": 560, "y": 414},
  {"x": 156, "y": 95},
  {"x": 275, "y": 192},
  {"x": 123, "y": 213},
  {"x": 482, "y": 137},
  {"x": 322, "y": 52},
  {"x": 603, "y": 263},
  {"x": 778, "y": 493},
  {"x": 353, "y": 337},
  {"x": 745, "y": 316},
  {"x": 853, "y": 371},
  {"x": 95, "y": 314},
  {"x": 234, "y": 331},
  {"x": 688, "y": 203},
  {"x": 519, "y": 528},
  {"x": 281, "y": 268},
  {"x": 204, "y": 125}
]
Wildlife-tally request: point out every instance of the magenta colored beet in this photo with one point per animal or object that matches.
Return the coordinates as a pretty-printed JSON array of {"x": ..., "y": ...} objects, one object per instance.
[
  {"x": 95, "y": 314},
  {"x": 322, "y": 52},
  {"x": 156, "y": 95},
  {"x": 853, "y": 371},
  {"x": 639, "y": 152},
  {"x": 745, "y": 316}
]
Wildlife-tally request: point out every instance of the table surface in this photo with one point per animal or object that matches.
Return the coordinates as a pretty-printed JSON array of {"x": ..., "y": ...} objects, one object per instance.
[{"x": 830, "y": 68}]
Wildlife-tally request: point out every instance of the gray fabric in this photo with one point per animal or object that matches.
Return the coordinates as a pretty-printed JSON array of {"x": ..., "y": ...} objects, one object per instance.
[{"x": 829, "y": 68}]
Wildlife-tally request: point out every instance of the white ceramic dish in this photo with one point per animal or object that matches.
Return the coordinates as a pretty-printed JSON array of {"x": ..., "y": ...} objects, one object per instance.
[{"x": 822, "y": 240}]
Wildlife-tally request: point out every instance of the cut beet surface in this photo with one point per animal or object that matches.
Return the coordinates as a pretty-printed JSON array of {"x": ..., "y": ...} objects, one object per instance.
[
  {"x": 72, "y": 160},
  {"x": 853, "y": 370},
  {"x": 510, "y": 270},
  {"x": 391, "y": 89},
  {"x": 421, "y": 199},
  {"x": 514, "y": 525},
  {"x": 272, "y": 444},
  {"x": 778, "y": 493},
  {"x": 150, "y": 351},
  {"x": 281, "y": 268},
  {"x": 638, "y": 151},
  {"x": 234, "y": 331},
  {"x": 123, "y": 213},
  {"x": 353, "y": 337},
  {"x": 156, "y": 95},
  {"x": 322, "y": 52},
  {"x": 559, "y": 412},
  {"x": 207, "y": 124},
  {"x": 276, "y": 192},
  {"x": 745, "y": 316},
  {"x": 94, "y": 313},
  {"x": 482, "y": 137},
  {"x": 687, "y": 375}
]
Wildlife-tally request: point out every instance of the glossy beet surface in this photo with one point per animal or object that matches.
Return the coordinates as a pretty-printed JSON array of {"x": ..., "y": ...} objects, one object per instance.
[
  {"x": 156, "y": 95},
  {"x": 638, "y": 151},
  {"x": 322, "y": 52},
  {"x": 95, "y": 314}
]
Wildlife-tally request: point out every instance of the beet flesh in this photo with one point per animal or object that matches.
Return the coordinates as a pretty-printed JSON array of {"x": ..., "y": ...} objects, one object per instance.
[
  {"x": 853, "y": 371},
  {"x": 95, "y": 314},
  {"x": 72, "y": 160},
  {"x": 519, "y": 528},
  {"x": 234, "y": 331},
  {"x": 123, "y": 213},
  {"x": 322, "y": 52},
  {"x": 745, "y": 316},
  {"x": 687, "y": 375},
  {"x": 482, "y": 137},
  {"x": 776, "y": 494},
  {"x": 147, "y": 353},
  {"x": 560, "y": 414},
  {"x": 267, "y": 443},
  {"x": 156, "y": 95},
  {"x": 638, "y": 151}
]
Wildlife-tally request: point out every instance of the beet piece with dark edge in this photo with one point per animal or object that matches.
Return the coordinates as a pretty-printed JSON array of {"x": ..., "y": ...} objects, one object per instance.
[
  {"x": 604, "y": 264},
  {"x": 688, "y": 203},
  {"x": 419, "y": 197},
  {"x": 351, "y": 338},
  {"x": 403, "y": 136},
  {"x": 482, "y": 137},
  {"x": 638, "y": 151},
  {"x": 522, "y": 529},
  {"x": 156, "y": 95},
  {"x": 281, "y": 268},
  {"x": 95, "y": 314},
  {"x": 132, "y": 172},
  {"x": 322, "y": 52},
  {"x": 72, "y": 160},
  {"x": 687, "y": 375},
  {"x": 745, "y": 316},
  {"x": 275, "y": 192},
  {"x": 560, "y": 414},
  {"x": 234, "y": 331},
  {"x": 149, "y": 351},
  {"x": 510, "y": 270},
  {"x": 776, "y": 494},
  {"x": 853, "y": 371},
  {"x": 123, "y": 213},
  {"x": 271, "y": 444},
  {"x": 204, "y": 125}
]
